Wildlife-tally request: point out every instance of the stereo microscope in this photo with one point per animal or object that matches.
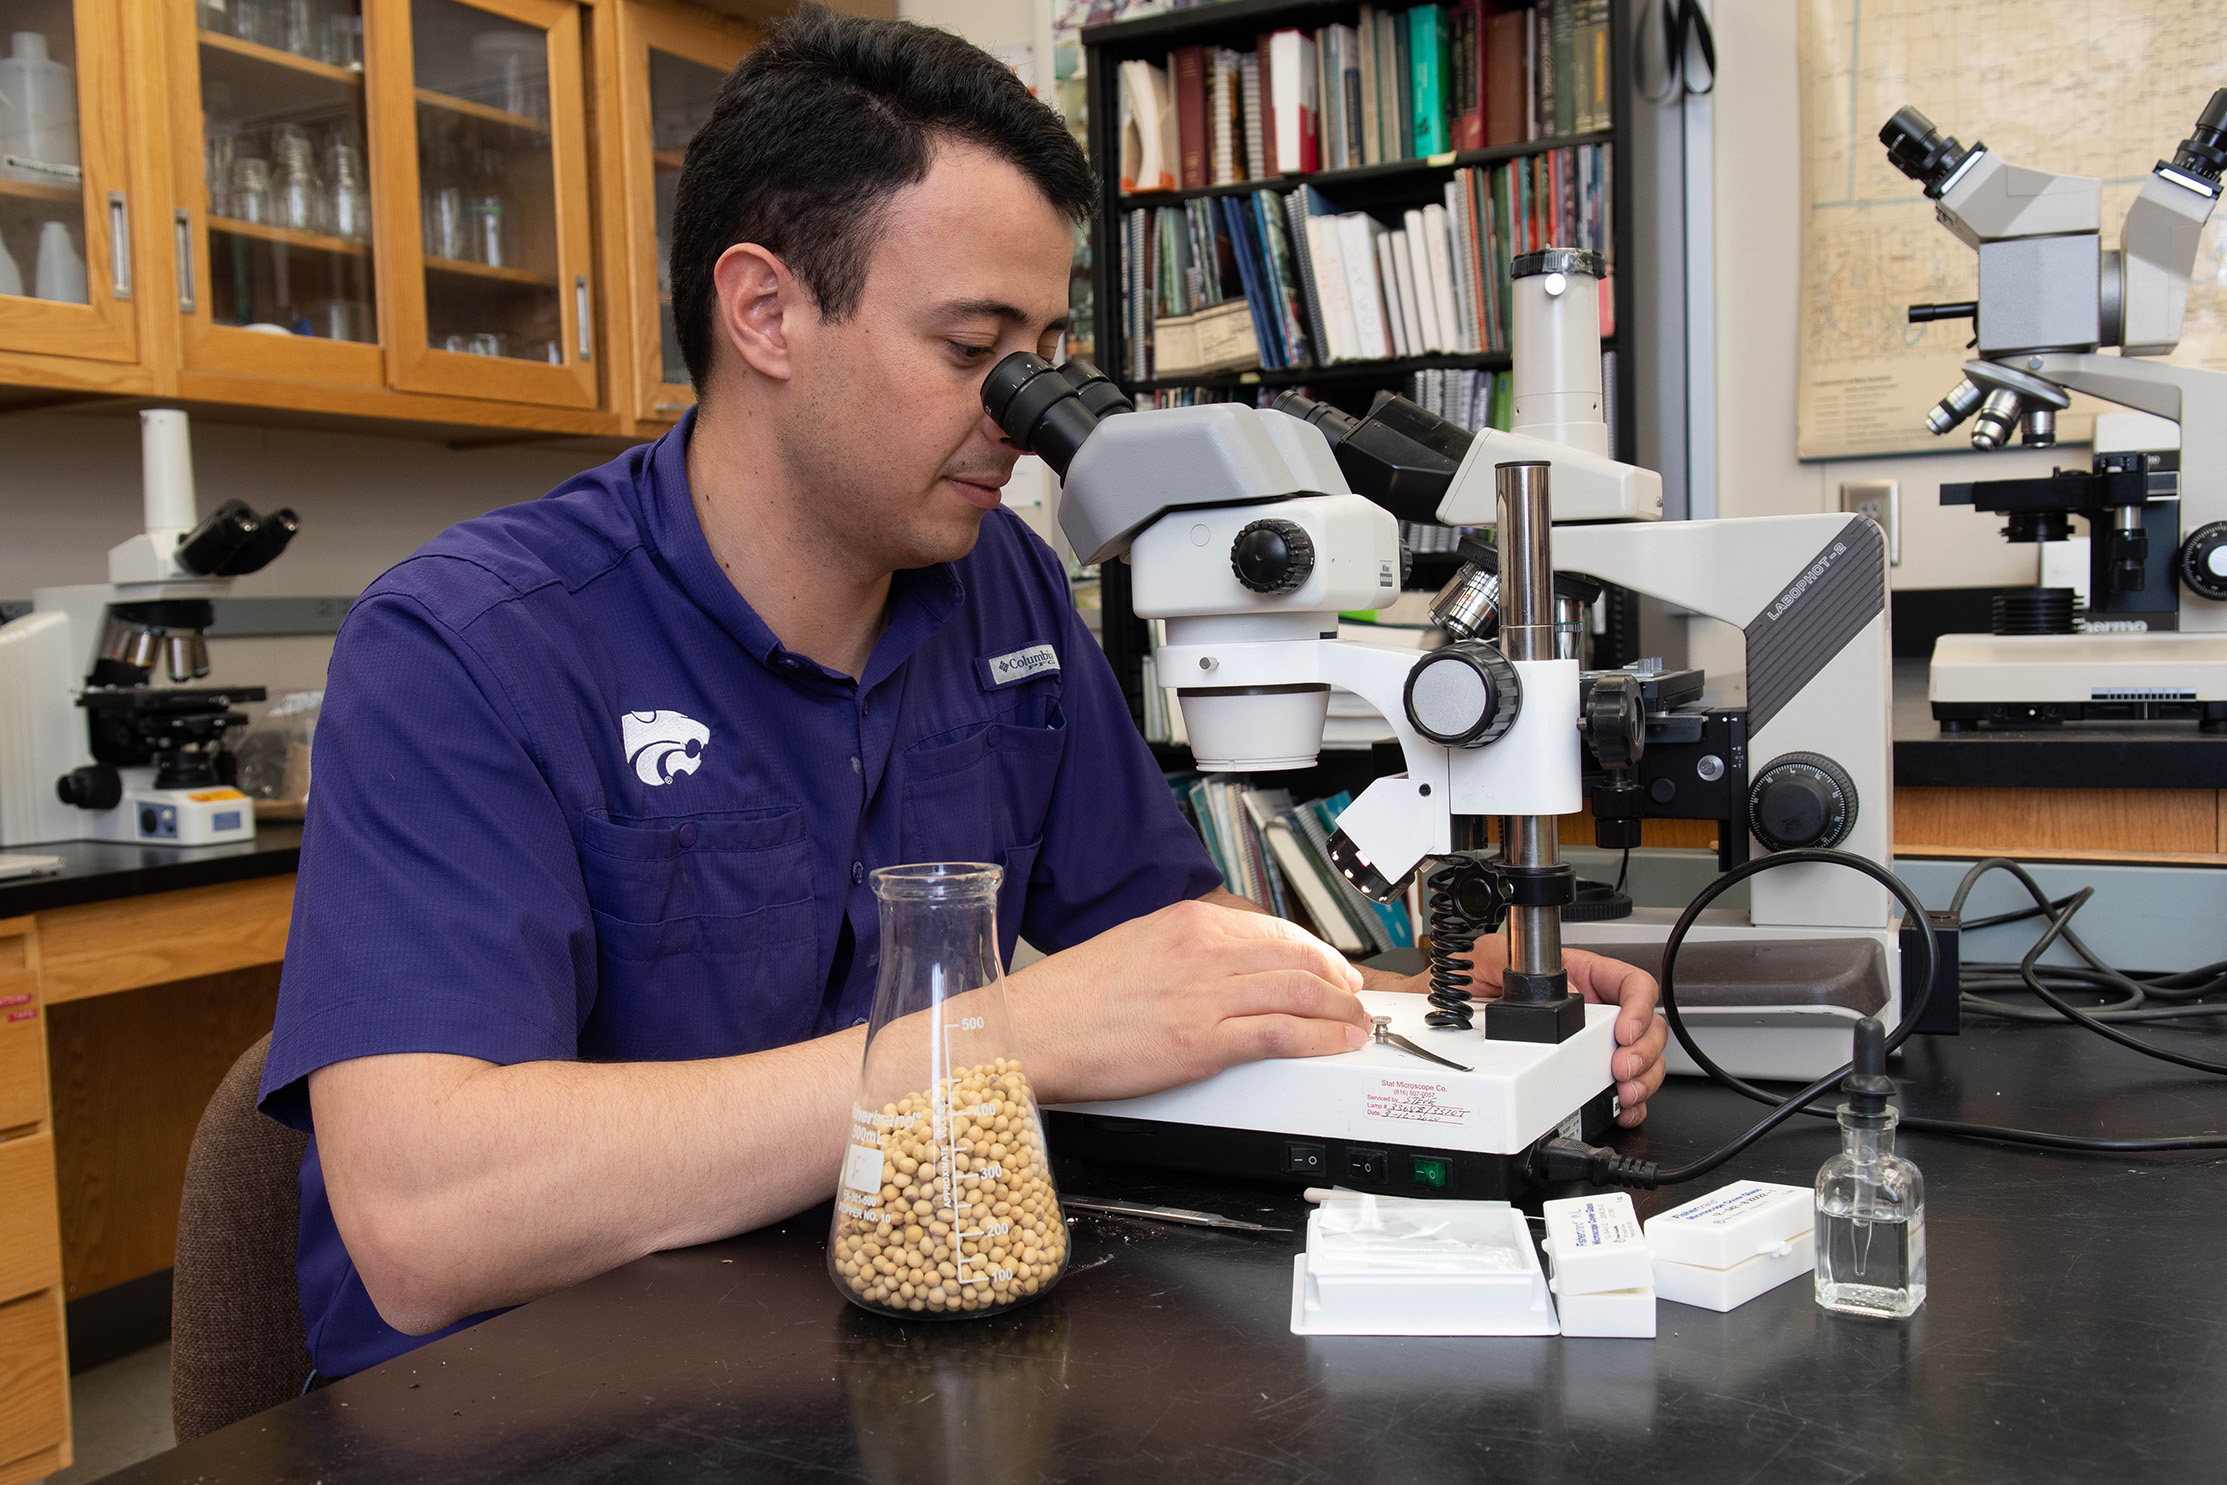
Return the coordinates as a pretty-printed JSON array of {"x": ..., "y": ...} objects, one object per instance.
[
  {"x": 2153, "y": 641},
  {"x": 89, "y": 750},
  {"x": 1245, "y": 535}
]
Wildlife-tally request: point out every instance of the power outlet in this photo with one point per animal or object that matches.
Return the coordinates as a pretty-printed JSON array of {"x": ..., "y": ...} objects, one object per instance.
[{"x": 1882, "y": 501}]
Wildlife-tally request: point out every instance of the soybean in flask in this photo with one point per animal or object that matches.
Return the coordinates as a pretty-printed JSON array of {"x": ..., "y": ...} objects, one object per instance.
[
  {"x": 1870, "y": 1236},
  {"x": 944, "y": 1206}
]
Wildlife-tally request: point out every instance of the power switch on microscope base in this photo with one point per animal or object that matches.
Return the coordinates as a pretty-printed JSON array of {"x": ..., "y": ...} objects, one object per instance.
[
  {"x": 1367, "y": 1165},
  {"x": 1302, "y": 1159}
]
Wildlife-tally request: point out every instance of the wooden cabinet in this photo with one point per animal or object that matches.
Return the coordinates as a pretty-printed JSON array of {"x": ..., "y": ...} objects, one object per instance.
[
  {"x": 659, "y": 66},
  {"x": 378, "y": 208},
  {"x": 487, "y": 228},
  {"x": 34, "y": 1382},
  {"x": 67, "y": 194},
  {"x": 271, "y": 205}
]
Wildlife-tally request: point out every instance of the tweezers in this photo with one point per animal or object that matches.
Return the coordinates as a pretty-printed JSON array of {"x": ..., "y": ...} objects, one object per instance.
[{"x": 1183, "y": 1215}]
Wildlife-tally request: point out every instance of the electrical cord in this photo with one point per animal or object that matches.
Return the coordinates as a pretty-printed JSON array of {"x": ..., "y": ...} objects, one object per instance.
[
  {"x": 1564, "y": 1159},
  {"x": 2059, "y": 927}
]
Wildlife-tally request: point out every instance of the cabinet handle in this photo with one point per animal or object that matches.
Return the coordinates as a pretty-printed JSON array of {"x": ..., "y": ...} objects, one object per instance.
[
  {"x": 184, "y": 226},
  {"x": 580, "y": 312},
  {"x": 119, "y": 247}
]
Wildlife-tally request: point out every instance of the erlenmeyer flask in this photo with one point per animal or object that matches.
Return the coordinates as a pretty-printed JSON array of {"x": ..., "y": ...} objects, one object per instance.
[{"x": 944, "y": 1206}]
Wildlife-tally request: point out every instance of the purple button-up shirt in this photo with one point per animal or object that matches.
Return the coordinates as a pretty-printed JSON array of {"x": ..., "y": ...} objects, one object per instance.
[{"x": 575, "y": 801}]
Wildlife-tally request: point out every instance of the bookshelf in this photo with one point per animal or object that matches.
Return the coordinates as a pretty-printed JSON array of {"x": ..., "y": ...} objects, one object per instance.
[{"x": 1383, "y": 191}]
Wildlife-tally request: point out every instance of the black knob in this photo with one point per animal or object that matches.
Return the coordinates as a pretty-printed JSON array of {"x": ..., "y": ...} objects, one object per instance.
[
  {"x": 1463, "y": 695},
  {"x": 2204, "y": 562},
  {"x": 1801, "y": 800},
  {"x": 96, "y": 786},
  {"x": 1616, "y": 720},
  {"x": 1272, "y": 556}
]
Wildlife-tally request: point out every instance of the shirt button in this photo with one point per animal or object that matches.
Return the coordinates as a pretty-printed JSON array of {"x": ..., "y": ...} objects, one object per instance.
[
  {"x": 856, "y": 766},
  {"x": 858, "y": 872},
  {"x": 686, "y": 835},
  {"x": 991, "y": 738}
]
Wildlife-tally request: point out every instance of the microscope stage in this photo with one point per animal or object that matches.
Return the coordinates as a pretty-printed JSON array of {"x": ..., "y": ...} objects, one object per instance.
[{"x": 1378, "y": 1118}]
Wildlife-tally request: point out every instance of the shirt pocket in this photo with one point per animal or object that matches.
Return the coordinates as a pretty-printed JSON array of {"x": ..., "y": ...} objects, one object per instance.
[
  {"x": 978, "y": 796},
  {"x": 706, "y": 933}
]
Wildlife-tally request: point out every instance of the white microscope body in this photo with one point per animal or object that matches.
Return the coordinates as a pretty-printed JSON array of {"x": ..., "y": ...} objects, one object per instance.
[
  {"x": 2153, "y": 642},
  {"x": 88, "y": 749},
  {"x": 1244, "y": 534}
]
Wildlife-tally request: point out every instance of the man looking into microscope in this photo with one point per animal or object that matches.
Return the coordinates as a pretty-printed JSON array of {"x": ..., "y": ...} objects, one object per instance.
[{"x": 583, "y": 942}]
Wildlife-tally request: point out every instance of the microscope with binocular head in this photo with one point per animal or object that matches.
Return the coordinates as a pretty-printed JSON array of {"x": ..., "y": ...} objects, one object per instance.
[
  {"x": 88, "y": 749},
  {"x": 1246, "y": 536},
  {"x": 2153, "y": 641}
]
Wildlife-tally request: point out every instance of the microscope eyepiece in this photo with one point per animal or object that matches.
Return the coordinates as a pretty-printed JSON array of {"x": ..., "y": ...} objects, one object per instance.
[
  {"x": 1921, "y": 151},
  {"x": 1336, "y": 425},
  {"x": 2204, "y": 152},
  {"x": 1049, "y": 410}
]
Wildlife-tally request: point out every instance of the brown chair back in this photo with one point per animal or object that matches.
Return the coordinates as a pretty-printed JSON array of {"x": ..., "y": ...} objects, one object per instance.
[{"x": 236, "y": 1338}]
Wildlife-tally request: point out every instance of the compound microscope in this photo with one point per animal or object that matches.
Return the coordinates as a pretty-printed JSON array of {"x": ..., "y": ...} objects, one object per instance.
[
  {"x": 89, "y": 750},
  {"x": 2153, "y": 642},
  {"x": 1244, "y": 533}
]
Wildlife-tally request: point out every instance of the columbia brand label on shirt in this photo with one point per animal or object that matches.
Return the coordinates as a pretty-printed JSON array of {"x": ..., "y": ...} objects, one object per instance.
[{"x": 1020, "y": 665}]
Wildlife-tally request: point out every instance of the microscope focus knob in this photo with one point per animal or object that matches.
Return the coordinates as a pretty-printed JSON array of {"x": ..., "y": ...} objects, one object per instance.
[
  {"x": 2204, "y": 562},
  {"x": 1463, "y": 695},
  {"x": 96, "y": 786},
  {"x": 1272, "y": 556},
  {"x": 1802, "y": 800}
]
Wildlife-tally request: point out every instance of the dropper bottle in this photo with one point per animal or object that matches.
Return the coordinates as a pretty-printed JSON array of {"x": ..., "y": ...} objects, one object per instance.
[{"x": 1870, "y": 1237}]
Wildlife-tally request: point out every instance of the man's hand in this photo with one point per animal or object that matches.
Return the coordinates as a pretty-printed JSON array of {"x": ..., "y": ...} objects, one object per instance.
[
  {"x": 1641, "y": 1035},
  {"x": 1179, "y": 995}
]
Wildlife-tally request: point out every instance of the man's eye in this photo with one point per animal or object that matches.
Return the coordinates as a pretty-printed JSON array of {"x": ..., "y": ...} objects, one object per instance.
[{"x": 970, "y": 352}]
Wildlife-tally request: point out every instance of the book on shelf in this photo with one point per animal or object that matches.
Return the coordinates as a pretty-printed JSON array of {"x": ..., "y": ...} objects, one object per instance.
[
  {"x": 1321, "y": 287},
  {"x": 1148, "y": 129},
  {"x": 1293, "y": 104},
  {"x": 1398, "y": 84},
  {"x": 1188, "y": 64},
  {"x": 1274, "y": 852}
]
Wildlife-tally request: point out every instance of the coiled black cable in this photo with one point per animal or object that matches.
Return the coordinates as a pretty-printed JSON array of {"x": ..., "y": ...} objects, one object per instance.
[
  {"x": 1453, "y": 938},
  {"x": 1912, "y": 1007}
]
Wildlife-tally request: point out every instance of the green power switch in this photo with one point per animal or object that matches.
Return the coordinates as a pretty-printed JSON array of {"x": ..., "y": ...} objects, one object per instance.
[{"x": 1430, "y": 1171}]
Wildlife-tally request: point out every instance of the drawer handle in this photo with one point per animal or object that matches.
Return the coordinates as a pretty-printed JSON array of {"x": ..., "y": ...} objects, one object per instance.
[
  {"x": 580, "y": 312},
  {"x": 119, "y": 247},
  {"x": 184, "y": 227}
]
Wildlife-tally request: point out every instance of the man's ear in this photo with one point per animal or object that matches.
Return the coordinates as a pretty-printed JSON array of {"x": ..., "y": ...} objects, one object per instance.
[{"x": 761, "y": 307}]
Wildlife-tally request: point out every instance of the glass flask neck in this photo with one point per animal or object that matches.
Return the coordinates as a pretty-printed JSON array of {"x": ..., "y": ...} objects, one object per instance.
[
  {"x": 939, "y": 935},
  {"x": 1867, "y": 1137}
]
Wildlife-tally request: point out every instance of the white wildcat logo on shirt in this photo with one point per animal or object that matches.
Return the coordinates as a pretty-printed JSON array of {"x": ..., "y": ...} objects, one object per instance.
[{"x": 662, "y": 744}]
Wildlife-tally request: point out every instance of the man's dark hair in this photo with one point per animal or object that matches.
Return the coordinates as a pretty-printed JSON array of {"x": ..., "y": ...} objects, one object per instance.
[{"x": 817, "y": 128}]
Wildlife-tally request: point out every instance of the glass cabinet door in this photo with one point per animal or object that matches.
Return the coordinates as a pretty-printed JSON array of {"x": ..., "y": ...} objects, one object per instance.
[
  {"x": 668, "y": 66},
  {"x": 490, "y": 208},
  {"x": 277, "y": 272},
  {"x": 65, "y": 255}
]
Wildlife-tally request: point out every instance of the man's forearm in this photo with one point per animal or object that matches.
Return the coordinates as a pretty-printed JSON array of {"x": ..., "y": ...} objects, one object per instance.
[{"x": 459, "y": 1185}]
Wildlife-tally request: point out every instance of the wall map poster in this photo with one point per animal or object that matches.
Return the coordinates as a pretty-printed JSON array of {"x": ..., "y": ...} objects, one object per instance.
[{"x": 2104, "y": 88}]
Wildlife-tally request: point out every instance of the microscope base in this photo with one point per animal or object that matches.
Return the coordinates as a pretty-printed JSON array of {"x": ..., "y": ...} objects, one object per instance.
[
  {"x": 1377, "y": 1119},
  {"x": 1765, "y": 1001},
  {"x": 212, "y": 816},
  {"x": 2028, "y": 680}
]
